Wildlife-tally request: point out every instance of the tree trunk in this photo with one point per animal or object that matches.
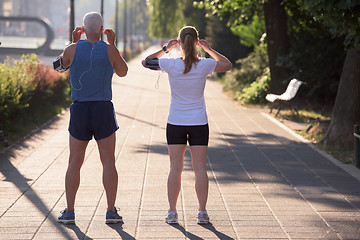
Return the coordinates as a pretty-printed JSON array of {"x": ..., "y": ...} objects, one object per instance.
[
  {"x": 277, "y": 42},
  {"x": 346, "y": 110}
]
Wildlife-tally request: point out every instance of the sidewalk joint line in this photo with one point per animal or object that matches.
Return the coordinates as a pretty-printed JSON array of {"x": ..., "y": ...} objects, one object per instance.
[
  {"x": 223, "y": 198},
  {"x": 183, "y": 211},
  {"x": 311, "y": 170},
  {"x": 46, "y": 217},
  {"x": 302, "y": 196},
  {"x": 243, "y": 167},
  {"x": 324, "y": 181},
  {"x": 254, "y": 184},
  {"x": 145, "y": 172},
  {"x": 30, "y": 185},
  {"x": 352, "y": 170},
  {"x": 293, "y": 186},
  {"x": 64, "y": 192}
]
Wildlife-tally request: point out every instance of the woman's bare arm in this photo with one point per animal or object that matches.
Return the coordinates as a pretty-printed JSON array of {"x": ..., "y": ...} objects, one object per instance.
[{"x": 223, "y": 64}]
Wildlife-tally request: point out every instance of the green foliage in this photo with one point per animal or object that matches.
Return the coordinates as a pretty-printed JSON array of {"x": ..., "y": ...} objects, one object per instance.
[
  {"x": 342, "y": 16},
  {"x": 165, "y": 18},
  {"x": 250, "y": 34},
  {"x": 27, "y": 85},
  {"x": 223, "y": 40},
  {"x": 249, "y": 70},
  {"x": 315, "y": 56},
  {"x": 244, "y": 17},
  {"x": 194, "y": 17},
  {"x": 241, "y": 11},
  {"x": 212, "y": 29},
  {"x": 317, "y": 60},
  {"x": 257, "y": 90},
  {"x": 137, "y": 18},
  {"x": 15, "y": 85}
]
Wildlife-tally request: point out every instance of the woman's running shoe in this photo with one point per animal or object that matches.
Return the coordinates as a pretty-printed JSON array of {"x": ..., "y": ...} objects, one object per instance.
[
  {"x": 203, "y": 217},
  {"x": 171, "y": 218}
]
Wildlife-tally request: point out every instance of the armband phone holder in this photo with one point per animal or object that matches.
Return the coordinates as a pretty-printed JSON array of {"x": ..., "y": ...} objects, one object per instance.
[
  {"x": 152, "y": 64},
  {"x": 57, "y": 64}
]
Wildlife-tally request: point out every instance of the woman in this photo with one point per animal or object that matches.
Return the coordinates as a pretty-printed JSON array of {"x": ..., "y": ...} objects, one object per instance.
[{"x": 187, "y": 120}]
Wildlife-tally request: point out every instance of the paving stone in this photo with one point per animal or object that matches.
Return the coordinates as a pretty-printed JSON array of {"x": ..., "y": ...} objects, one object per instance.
[{"x": 264, "y": 182}]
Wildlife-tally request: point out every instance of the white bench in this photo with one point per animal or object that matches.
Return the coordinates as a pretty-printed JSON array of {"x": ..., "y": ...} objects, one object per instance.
[{"x": 282, "y": 100}]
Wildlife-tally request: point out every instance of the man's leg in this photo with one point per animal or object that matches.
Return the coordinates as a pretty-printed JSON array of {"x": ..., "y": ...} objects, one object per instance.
[
  {"x": 110, "y": 177},
  {"x": 72, "y": 178}
]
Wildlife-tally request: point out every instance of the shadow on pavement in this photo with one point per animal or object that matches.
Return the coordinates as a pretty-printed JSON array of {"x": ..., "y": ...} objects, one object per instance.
[
  {"x": 220, "y": 235},
  {"x": 138, "y": 120},
  {"x": 187, "y": 234},
  {"x": 77, "y": 231},
  {"x": 270, "y": 159},
  {"x": 119, "y": 229},
  {"x": 13, "y": 175}
]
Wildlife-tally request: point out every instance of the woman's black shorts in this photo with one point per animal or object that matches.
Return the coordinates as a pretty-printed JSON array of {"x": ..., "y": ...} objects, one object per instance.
[
  {"x": 196, "y": 135},
  {"x": 88, "y": 119}
]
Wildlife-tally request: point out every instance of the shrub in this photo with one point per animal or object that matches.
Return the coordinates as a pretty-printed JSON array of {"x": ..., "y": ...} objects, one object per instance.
[
  {"x": 257, "y": 90},
  {"x": 15, "y": 85},
  {"x": 29, "y": 89},
  {"x": 248, "y": 70}
]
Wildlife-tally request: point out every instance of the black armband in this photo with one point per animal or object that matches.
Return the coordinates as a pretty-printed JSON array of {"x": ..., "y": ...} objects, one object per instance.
[{"x": 152, "y": 63}]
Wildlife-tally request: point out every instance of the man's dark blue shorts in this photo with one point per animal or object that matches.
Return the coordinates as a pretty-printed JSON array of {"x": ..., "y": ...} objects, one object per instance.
[{"x": 88, "y": 119}]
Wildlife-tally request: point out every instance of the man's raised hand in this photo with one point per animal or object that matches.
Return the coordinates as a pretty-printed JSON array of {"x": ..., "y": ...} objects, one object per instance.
[
  {"x": 76, "y": 34},
  {"x": 110, "y": 36}
]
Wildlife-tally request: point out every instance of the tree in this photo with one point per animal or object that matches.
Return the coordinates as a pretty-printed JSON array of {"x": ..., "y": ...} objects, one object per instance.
[
  {"x": 194, "y": 17},
  {"x": 165, "y": 18},
  {"x": 244, "y": 13},
  {"x": 224, "y": 40},
  {"x": 137, "y": 19},
  {"x": 277, "y": 42},
  {"x": 316, "y": 57},
  {"x": 241, "y": 15},
  {"x": 342, "y": 16}
]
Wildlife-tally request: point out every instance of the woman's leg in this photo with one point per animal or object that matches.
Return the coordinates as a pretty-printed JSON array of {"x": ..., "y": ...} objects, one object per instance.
[
  {"x": 72, "y": 178},
  {"x": 176, "y": 153},
  {"x": 110, "y": 177},
  {"x": 198, "y": 156}
]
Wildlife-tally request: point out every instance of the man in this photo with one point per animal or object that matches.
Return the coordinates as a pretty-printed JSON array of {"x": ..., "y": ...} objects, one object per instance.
[{"x": 92, "y": 63}]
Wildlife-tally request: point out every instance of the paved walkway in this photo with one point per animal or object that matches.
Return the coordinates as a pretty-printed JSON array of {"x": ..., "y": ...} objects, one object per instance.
[{"x": 265, "y": 183}]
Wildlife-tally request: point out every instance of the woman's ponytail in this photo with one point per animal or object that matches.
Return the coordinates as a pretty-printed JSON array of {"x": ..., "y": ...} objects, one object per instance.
[{"x": 188, "y": 36}]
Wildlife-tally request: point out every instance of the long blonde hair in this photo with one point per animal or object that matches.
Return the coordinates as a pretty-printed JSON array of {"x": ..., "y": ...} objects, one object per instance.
[{"x": 188, "y": 36}]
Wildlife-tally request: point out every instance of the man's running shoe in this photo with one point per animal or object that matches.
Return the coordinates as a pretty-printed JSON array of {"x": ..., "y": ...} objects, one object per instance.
[
  {"x": 67, "y": 217},
  {"x": 113, "y": 217},
  {"x": 171, "y": 218},
  {"x": 203, "y": 217}
]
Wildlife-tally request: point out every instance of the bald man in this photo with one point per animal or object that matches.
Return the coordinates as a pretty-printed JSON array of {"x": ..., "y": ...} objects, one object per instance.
[{"x": 92, "y": 63}]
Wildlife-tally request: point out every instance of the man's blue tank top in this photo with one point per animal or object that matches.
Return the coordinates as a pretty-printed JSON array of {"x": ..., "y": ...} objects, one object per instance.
[{"x": 91, "y": 72}]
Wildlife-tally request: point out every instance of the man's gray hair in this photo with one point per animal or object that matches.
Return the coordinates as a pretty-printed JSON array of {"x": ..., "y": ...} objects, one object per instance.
[{"x": 92, "y": 22}]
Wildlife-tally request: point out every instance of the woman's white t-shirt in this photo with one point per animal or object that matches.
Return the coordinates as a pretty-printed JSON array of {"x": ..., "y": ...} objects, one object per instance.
[{"x": 187, "y": 105}]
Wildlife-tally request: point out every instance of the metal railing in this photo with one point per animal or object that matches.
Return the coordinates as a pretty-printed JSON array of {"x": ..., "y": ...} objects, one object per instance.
[
  {"x": 43, "y": 49},
  {"x": 356, "y": 145}
]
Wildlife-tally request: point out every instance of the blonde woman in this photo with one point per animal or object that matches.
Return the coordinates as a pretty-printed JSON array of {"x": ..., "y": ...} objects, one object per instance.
[{"x": 187, "y": 120}]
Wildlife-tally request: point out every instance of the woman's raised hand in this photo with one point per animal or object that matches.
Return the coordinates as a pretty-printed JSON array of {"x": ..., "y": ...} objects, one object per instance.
[
  {"x": 204, "y": 45},
  {"x": 171, "y": 44}
]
